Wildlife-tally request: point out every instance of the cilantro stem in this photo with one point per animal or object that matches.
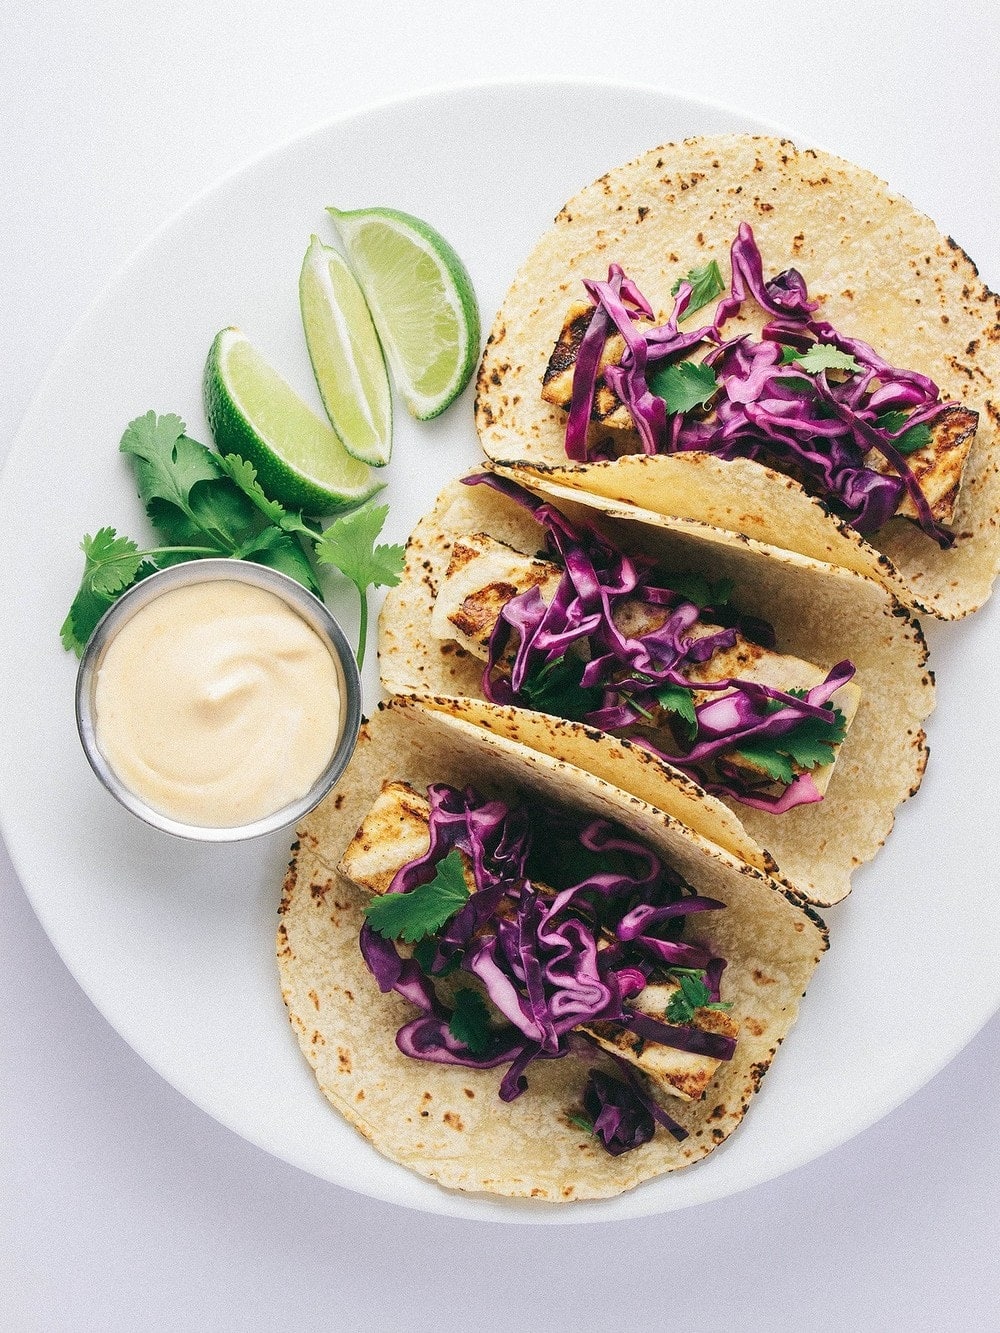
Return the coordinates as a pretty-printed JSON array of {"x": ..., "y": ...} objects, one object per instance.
[
  {"x": 183, "y": 550},
  {"x": 362, "y": 628}
]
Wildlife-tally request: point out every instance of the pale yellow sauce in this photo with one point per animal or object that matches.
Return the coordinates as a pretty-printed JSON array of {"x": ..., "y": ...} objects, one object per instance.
[{"x": 217, "y": 704}]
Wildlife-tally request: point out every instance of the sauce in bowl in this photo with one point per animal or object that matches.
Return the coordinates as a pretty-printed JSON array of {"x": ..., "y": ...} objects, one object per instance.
[{"x": 215, "y": 704}]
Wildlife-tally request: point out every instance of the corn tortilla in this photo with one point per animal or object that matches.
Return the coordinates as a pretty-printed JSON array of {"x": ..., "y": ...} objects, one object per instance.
[
  {"x": 884, "y": 273},
  {"x": 447, "y": 1123}
]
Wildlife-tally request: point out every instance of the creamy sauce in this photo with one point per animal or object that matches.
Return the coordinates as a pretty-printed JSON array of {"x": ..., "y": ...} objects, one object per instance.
[{"x": 217, "y": 704}]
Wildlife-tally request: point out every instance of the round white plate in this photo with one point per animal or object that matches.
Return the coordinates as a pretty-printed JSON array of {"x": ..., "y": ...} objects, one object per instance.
[{"x": 174, "y": 941}]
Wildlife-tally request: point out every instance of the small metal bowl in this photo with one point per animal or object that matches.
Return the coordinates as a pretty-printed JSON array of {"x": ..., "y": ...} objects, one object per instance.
[{"x": 312, "y": 611}]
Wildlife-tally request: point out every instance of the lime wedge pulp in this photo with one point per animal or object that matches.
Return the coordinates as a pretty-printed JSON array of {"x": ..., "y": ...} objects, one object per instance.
[
  {"x": 254, "y": 413},
  {"x": 421, "y": 299},
  {"x": 346, "y": 356}
]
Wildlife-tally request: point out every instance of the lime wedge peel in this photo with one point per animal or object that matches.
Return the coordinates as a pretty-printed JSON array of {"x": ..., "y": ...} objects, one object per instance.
[
  {"x": 254, "y": 413},
  {"x": 346, "y": 355},
  {"x": 422, "y": 302}
]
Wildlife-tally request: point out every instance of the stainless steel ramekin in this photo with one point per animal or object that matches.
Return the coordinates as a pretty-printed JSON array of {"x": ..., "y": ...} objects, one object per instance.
[{"x": 312, "y": 611}]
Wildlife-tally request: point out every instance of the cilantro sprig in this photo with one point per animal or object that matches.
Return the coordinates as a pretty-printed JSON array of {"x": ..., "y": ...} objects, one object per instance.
[
  {"x": 421, "y": 911},
  {"x": 692, "y": 994},
  {"x": 706, "y": 284},
  {"x": 683, "y": 385},
  {"x": 204, "y": 504},
  {"x": 810, "y": 744},
  {"x": 349, "y": 545}
]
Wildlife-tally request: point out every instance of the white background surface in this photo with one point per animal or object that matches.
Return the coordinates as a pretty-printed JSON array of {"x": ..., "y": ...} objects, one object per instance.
[{"x": 124, "y": 1207}]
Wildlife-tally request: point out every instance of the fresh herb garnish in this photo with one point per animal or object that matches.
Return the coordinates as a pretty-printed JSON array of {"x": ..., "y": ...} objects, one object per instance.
[
  {"x": 204, "y": 504},
  {"x": 700, "y": 590},
  {"x": 917, "y": 437},
  {"x": 682, "y": 384},
  {"x": 820, "y": 356},
  {"x": 423, "y": 910},
  {"x": 470, "y": 1022},
  {"x": 706, "y": 284},
  {"x": 692, "y": 994},
  {"x": 555, "y": 688},
  {"x": 679, "y": 703},
  {"x": 348, "y": 544},
  {"x": 200, "y": 505},
  {"x": 580, "y": 1122},
  {"x": 810, "y": 744}
]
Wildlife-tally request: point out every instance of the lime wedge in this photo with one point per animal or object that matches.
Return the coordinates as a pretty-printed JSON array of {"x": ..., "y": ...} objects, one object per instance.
[
  {"x": 254, "y": 413},
  {"x": 421, "y": 300},
  {"x": 346, "y": 356}
]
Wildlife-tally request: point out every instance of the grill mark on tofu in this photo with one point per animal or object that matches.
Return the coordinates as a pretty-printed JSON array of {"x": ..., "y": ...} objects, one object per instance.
[
  {"x": 482, "y": 576},
  {"x": 680, "y": 1073},
  {"x": 557, "y": 380},
  {"x": 396, "y": 830}
]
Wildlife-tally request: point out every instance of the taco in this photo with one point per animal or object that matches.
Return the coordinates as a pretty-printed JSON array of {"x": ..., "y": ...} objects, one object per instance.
[
  {"x": 790, "y": 694},
  {"x": 512, "y": 977},
  {"x": 765, "y": 339}
]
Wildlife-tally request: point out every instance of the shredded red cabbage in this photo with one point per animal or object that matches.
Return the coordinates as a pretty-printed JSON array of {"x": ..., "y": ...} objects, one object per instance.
[
  {"x": 622, "y": 1114},
  {"x": 631, "y": 673},
  {"x": 550, "y": 959},
  {"x": 764, "y": 408}
]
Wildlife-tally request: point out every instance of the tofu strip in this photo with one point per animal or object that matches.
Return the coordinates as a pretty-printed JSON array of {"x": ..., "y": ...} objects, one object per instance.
[
  {"x": 396, "y": 831},
  {"x": 484, "y": 574}
]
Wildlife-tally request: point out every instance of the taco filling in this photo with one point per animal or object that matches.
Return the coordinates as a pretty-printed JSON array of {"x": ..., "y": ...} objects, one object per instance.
[
  {"x": 520, "y": 935},
  {"x": 869, "y": 439},
  {"x": 590, "y": 634}
]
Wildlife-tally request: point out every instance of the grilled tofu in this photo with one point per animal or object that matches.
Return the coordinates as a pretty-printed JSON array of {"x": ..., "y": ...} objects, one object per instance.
[
  {"x": 395, "y": 831},
  {"x": 678, "y": 1072},
  {"x": 485, "y": 574},
  {"x": 557, "y": 382},
  {"x": 482, "y": 577},
  {"x": 939, "y": 466}
]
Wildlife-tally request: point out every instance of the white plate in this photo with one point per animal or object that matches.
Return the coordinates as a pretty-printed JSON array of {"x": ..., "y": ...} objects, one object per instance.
[{"x": 173, "y": 941}]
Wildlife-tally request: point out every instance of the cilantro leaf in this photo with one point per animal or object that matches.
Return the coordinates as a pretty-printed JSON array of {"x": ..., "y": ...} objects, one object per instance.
[
  {"x": 821, "y": 356},
  {"x": 167, "y": 463},
  {"x": 692, "y": 994},
  {"x": 810, "y": 744},
  {"x": 348, "y": 544},
  {"x": 555, "y": 688},
  {"x": 700, "y": 590},
  {"x": 470, "y": 1022},
  {"x": 682, "y": 384},
  {"x": 244, "y": 474},
  {"x": 423, "y": 910},
  {"x": 891, "y": 421},
  {"x": 764, "y": 755},
  {"x": 706, "y": 284},
  {"x": 111, "y": 564},
  {"x": 917, "y": 437},
  {"x": 679, "y": 702}
]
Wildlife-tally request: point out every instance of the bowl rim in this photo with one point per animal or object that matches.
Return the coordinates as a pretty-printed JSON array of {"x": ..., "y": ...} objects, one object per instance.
[{"x": 215, "y": 570}]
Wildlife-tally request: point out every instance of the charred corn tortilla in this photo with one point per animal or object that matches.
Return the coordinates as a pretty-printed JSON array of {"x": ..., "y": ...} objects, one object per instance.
[
  {"x": 820, "y": 612},
  {"x": 883, "y": 272},
  {"x": 445, "y": 1122}
]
